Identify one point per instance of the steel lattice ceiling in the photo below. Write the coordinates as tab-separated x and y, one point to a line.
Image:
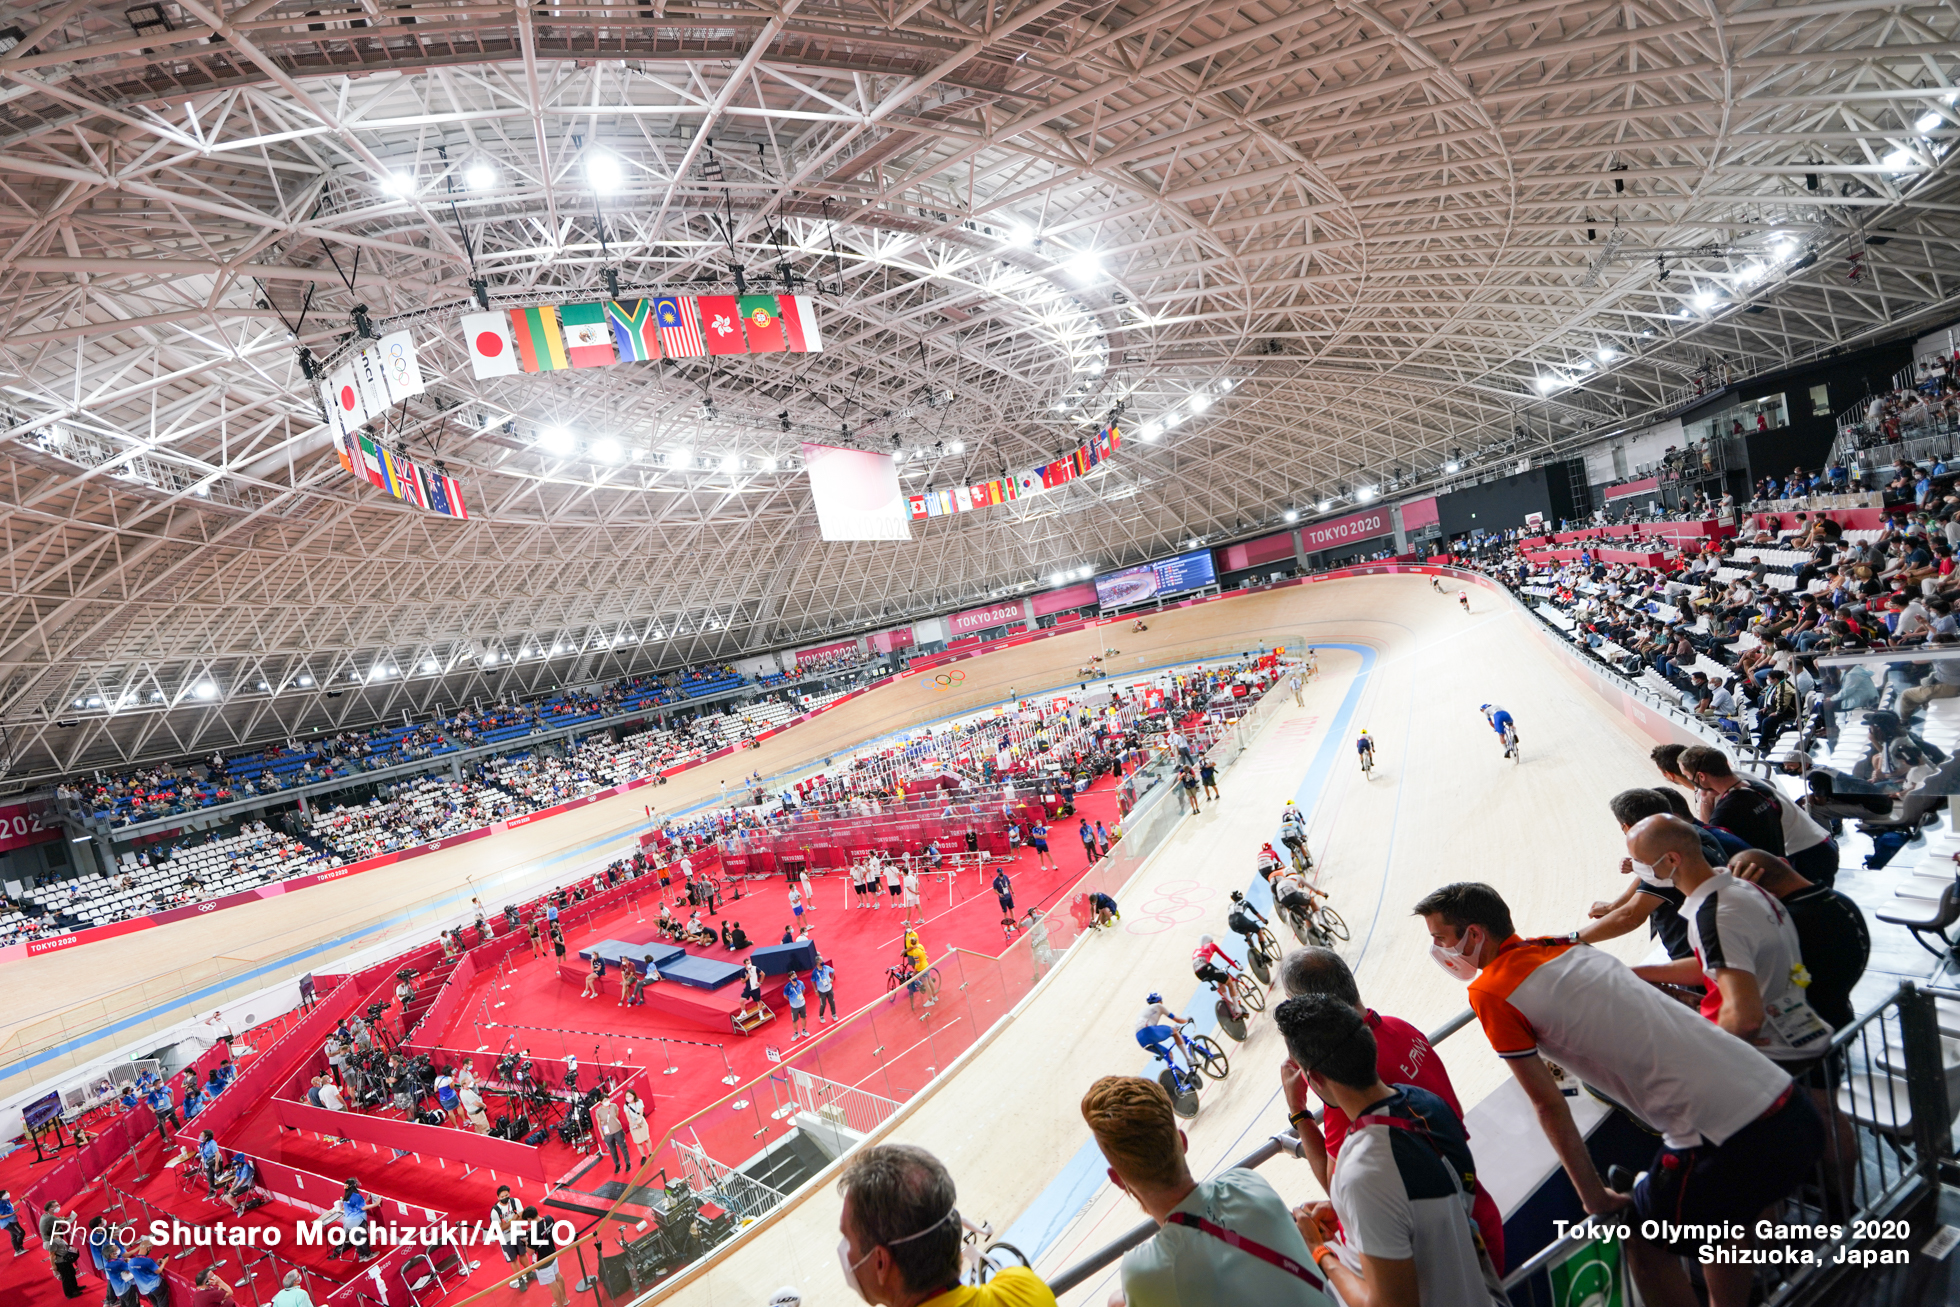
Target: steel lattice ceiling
1382	224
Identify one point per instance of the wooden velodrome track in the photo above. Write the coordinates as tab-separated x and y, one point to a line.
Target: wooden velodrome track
1443	806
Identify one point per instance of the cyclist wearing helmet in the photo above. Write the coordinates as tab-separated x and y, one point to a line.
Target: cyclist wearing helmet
1157	1024
1500	721
1293	833
1269	862
1205	959
1463	597
1364	747
1244	919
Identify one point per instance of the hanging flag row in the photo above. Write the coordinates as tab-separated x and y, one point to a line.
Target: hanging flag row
361	390
409	482
548	337
1047	476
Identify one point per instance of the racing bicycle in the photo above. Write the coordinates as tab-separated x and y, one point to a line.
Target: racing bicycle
981	1258
1183	1083
1261	951
1511	750
1368	763
1238	998
1318	925
916	982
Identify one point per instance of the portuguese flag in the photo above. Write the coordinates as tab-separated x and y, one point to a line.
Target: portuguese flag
539	340
763	320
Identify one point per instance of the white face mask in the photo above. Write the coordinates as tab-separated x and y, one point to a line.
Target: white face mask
851	1267
1457	961
1646	872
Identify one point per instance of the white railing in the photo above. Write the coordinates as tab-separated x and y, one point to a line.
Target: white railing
856	1110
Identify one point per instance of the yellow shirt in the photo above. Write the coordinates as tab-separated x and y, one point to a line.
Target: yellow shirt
1017	1286
918	956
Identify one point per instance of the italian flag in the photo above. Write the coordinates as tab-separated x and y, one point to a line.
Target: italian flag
539	339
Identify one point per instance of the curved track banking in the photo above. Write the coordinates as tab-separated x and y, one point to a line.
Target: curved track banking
1443	805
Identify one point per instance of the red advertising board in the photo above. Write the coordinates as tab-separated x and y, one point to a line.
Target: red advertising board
892	641
1345	530
1008	612
22	824
1418	513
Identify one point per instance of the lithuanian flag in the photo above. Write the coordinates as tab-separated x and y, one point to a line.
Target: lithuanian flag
540	341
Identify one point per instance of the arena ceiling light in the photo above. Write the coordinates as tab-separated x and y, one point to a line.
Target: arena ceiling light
1149	432
479	176
431	666
1020	236
398	183
304	681
957	447
1325	504
205	690
1086	266
1200	402
679	458
1607	354
555	440
769	464
608	451
1703	301
1057	578
731	463
1366	493
602	171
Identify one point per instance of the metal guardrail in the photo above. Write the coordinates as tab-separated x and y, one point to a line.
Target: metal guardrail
1285	1142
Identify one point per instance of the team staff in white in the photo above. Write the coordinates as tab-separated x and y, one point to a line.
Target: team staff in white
1737	1136
1405	1182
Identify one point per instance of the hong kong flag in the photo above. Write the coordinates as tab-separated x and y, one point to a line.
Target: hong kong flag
721	324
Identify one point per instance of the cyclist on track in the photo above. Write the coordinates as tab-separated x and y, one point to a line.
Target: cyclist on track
1153	1030
1245	920
1500	721
1294	894
1463	597
1365	748
1270	862
1436	584
1293	833
1204	963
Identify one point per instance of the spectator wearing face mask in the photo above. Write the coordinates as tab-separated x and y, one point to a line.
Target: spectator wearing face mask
1736	1136
1648	898
902	1235
1228	1239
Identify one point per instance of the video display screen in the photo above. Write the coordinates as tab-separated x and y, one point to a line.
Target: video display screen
1147	581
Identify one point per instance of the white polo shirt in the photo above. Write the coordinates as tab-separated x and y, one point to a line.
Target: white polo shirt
1586	1010
1739	926
1398	1201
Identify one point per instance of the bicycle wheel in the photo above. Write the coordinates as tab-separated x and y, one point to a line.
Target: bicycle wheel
1257	964
932	979
1330	921
1268	945
998	1257
1209	1056
1184	1100
1232	1023
1250	993
1302	927
891	981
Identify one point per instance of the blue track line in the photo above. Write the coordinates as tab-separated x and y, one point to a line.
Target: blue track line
1079	1180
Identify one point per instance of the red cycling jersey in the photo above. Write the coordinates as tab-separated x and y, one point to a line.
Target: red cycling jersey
1204	955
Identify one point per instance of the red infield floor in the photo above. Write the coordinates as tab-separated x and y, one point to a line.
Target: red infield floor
534	1006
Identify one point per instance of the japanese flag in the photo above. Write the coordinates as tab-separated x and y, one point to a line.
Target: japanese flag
487	337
